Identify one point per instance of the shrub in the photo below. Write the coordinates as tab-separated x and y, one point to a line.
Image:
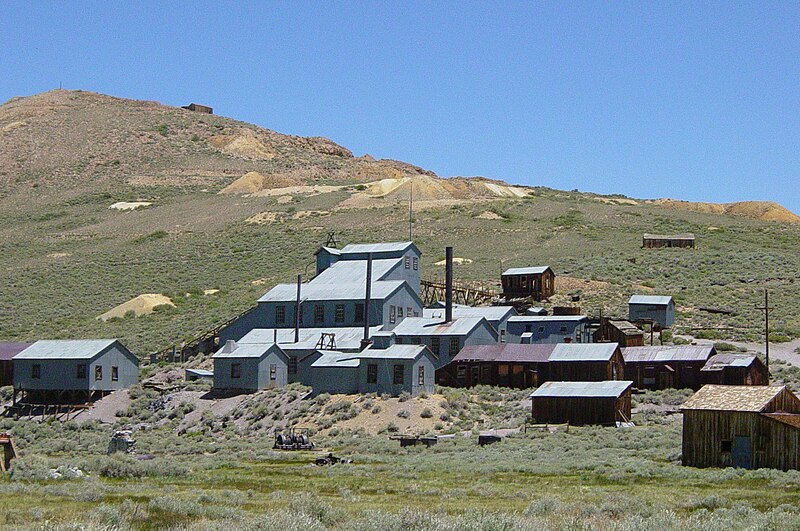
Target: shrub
426	413
403	414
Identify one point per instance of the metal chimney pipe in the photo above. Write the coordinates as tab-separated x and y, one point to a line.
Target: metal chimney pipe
297	311
448	281
367	296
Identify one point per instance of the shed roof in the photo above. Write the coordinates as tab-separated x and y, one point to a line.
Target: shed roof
696	353
9	350
508	352
682	236
625	327
345	337
65	349
792	419
334	358
605	389
422	326
546	318
394	352
249	350
491	313
733	397
533	270
653	300
583	351
718	362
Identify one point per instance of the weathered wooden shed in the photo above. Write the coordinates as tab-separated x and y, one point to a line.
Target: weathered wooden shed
250	367
667	366
70	369
592	362
7	353
505	365
537	282
196	107
656	309
729	368
656	241
743	427
622	333
580	403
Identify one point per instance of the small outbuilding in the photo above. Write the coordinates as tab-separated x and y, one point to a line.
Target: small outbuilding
65	370
729	368
250	367
622	333
580	403
585	362
667	366
657	241
196	107
656	309
743	427
538	283
7	353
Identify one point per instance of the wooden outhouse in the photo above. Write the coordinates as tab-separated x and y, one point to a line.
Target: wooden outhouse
742	426
580	403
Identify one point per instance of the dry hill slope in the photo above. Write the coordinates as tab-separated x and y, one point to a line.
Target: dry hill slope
763	210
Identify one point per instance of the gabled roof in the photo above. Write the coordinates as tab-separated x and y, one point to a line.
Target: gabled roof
534	270
249	350
625	327
606	389
345	337
508	352
656	300
491	313
583	351
698	353
334	358
74	349
792	419
9	350
421	326
546	318
394	352
729	359
753	398
329	250
385	247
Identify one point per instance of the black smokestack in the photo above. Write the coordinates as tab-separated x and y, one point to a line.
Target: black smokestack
297	312
367	296
448	282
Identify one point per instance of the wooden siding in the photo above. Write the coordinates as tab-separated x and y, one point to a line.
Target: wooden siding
658	243
539	286
665	375
580	411
755	374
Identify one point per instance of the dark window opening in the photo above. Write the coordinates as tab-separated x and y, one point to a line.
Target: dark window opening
36	371
236	370
98	372
339	315
273	372
80	372
421	376
372	373
726	446
399	375
454	346
114	374
359	312
280	314
319	314
293	365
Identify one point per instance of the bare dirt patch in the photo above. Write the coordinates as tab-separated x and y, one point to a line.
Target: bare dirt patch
488	214
141	305
456	260
253	182
564	283
387	413
263	218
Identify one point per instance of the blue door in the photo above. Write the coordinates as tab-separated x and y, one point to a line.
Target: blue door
742	452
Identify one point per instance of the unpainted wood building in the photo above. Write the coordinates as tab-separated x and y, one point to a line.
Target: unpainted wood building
742	426
658	241
538	282
622	333
729	368
7	353
582	403
667	366
196	107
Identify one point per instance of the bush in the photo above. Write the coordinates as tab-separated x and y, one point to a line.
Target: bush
403	414
426	413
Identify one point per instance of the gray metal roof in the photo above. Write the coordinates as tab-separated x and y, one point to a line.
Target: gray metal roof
668	353
536	310
248	350
657	300
394	352
385	247
534	270
606	389
727	359
345	337
583	351
65	349
9	350
491	313
200	372
422	326
546	318
334	358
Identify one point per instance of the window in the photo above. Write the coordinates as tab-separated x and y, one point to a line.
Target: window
502	336
407	262
399	373
416	313
398	340
114	374
726	446
399	312
372	373
421	375
416	263
454	346
392	314
319	314
502	370
435	345
339	315
293	365
359	312
541	330
36	371
416	340
524	281
236	370
273	372
563	329
461	372
80	371
98	372
529	327
408	311
280	314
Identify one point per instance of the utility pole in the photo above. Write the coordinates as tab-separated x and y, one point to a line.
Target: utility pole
411	212
766	308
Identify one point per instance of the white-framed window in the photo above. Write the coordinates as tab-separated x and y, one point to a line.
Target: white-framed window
339	314
399	312
319	314
280	314
407	262
392	314
416	263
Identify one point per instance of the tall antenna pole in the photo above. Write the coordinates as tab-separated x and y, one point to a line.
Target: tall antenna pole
411	211
766	308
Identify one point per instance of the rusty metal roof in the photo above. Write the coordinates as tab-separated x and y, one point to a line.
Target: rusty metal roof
728	359
506	353
733	397
9	350
668	353
605	389
583	351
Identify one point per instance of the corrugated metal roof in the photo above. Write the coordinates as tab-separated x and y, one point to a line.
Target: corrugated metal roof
583	351
733	397
606	389
9	350
65	349
505	353
491	313
421	326
394	352
334	358
385	247
546	318
668	353
683	236
247	350
533	270
200	372
345	337
658	300
536	310
727	359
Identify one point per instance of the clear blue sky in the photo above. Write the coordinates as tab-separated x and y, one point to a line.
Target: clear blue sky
695	100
